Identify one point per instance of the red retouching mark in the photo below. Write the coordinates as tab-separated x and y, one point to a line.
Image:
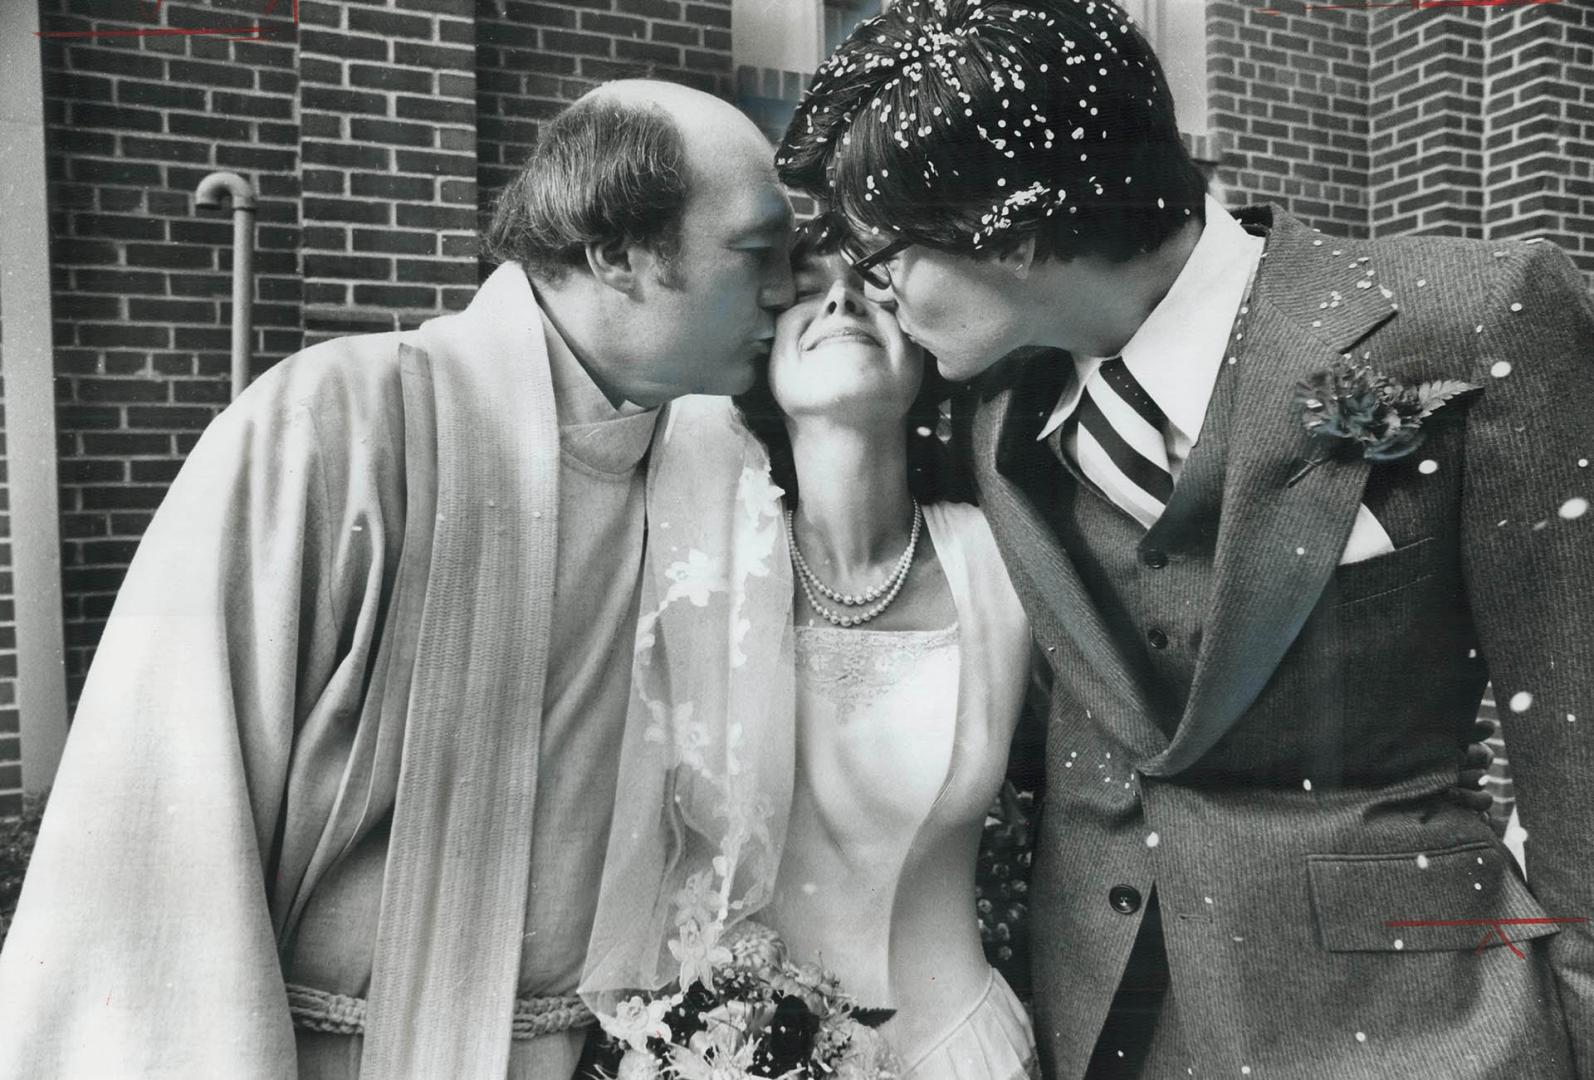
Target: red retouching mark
1416	5
1496	926
233	33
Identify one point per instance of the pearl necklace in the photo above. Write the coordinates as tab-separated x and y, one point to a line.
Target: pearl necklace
889	587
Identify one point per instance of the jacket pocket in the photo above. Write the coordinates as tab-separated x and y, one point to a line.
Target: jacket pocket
1382	574
1455	898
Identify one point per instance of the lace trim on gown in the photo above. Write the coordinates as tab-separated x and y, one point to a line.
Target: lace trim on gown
995	1040
851	668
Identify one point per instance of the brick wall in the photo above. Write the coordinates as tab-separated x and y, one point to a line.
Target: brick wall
1538	154
388	146
141	282
533	58
1288	104
1427	121
1462	121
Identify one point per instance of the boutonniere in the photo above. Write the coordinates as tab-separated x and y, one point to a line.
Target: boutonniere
1350	411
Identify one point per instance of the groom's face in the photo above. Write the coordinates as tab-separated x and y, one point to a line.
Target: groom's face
960	308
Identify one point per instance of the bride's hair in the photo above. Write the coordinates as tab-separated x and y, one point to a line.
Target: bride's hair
933	474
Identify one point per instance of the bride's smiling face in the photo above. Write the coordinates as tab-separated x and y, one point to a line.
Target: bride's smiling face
837	352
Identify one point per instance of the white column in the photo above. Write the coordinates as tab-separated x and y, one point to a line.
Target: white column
786	35
30	398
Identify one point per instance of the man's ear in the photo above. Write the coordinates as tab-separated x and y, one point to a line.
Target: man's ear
620	264
1019	259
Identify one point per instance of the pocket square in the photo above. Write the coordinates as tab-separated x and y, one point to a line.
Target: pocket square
1367	539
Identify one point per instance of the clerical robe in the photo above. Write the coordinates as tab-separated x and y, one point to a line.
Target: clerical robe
336	736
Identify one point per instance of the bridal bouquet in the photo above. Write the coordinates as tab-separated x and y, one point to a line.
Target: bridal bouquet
743	1009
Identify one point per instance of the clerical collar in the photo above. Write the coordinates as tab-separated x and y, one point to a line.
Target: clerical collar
577	398
592	430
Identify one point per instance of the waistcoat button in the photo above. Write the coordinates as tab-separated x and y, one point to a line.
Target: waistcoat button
1158	637
1124	899
1153	558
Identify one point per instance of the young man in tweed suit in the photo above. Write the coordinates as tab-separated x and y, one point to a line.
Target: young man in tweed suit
1270	604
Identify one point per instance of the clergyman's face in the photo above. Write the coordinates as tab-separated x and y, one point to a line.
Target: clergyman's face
713	319
838	352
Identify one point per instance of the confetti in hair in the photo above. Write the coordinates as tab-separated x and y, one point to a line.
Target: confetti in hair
976	106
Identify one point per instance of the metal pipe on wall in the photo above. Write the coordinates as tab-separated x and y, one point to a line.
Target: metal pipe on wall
212	193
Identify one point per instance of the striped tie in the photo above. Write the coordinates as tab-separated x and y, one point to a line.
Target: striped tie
1118	439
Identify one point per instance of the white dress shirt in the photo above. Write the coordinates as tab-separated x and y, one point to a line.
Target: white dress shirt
1178	351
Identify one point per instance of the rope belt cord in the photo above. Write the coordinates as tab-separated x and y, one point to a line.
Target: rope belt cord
341	1014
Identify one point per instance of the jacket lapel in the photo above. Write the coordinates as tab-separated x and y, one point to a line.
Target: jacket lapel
1009	459
1277	545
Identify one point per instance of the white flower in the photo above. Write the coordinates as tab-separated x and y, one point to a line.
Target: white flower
698	900
638	1065
722	1052
635	1021
697	949
756	947
759	495
690	737
868	1056
697	578
709	1059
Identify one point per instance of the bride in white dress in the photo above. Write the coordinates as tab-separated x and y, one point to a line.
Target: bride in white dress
825	691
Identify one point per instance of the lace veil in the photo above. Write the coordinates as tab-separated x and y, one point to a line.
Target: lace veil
707	761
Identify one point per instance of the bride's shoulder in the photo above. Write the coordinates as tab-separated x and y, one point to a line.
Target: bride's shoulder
966	525
965	521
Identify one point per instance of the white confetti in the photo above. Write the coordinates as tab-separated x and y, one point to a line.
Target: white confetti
1399	944
1516	307
1422	862
1572	509
1361	1036
1152	839
1501	369
1521	701
1428	467
1307	784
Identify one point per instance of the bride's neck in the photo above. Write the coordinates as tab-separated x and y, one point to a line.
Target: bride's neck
854	511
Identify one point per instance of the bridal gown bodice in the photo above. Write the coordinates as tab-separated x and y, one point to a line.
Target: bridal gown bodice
897	765
876	718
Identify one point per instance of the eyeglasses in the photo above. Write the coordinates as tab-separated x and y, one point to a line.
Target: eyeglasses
870	266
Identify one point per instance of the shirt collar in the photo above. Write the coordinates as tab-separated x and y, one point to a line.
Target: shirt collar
1178	351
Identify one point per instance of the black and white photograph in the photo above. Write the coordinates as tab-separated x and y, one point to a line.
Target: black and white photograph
796	539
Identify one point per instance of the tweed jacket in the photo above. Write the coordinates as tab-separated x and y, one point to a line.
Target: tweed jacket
1291	806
